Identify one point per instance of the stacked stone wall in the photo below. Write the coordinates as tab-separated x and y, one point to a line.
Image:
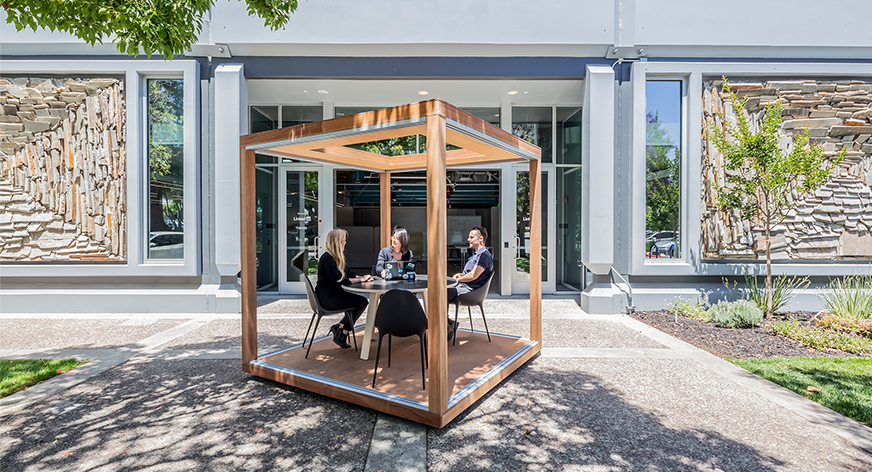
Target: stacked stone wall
833	222
62	169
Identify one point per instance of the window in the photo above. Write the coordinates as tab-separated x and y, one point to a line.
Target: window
663	169
166	168
534	124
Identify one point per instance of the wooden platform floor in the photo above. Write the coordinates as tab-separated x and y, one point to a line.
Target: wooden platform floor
472	357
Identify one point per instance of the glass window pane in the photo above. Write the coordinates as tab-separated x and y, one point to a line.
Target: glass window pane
489	114
264	118
534	125
662	163
292	116
166	164
569	135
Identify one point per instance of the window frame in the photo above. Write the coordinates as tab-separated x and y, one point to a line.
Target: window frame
135	74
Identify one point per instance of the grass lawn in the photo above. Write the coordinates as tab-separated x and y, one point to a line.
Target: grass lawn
845	384
17	375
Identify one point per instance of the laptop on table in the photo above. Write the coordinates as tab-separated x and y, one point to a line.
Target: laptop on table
399	270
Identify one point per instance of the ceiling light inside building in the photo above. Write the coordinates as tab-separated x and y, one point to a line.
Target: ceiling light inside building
323	92
423	92
513	92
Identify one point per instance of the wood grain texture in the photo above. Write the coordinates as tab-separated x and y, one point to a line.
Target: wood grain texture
248	212
437	264
535	252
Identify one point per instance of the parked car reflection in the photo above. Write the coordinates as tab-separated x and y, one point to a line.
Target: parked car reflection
166	245
663	248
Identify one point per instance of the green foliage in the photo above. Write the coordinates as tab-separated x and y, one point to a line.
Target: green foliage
690	308
823	338
394	146
845	385
851	297
165	118
17	375
737	314
858	326
523	264
662	186
782	290
166	27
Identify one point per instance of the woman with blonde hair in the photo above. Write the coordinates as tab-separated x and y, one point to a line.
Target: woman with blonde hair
397	251
332	275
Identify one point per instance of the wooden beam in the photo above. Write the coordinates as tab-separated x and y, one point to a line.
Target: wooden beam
535	251
385	205
249	257
437	266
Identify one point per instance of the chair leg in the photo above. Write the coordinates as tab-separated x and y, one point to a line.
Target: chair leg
469	309
317	322
426	350
423	376
389	349
377	354
314	314
480	307
354	337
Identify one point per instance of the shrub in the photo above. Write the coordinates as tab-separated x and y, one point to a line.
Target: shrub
851	297
862	327
689	308
782	290
823	339
737	314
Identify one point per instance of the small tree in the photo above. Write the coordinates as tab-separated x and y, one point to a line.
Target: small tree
759	175
168	27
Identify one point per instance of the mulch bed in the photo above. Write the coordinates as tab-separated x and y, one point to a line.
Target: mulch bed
756	343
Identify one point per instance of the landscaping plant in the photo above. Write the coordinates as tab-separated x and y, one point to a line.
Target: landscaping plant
690	308
850	297
782	291
823	338
759	175
737	314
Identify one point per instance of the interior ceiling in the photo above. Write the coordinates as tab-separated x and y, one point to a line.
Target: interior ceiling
386	93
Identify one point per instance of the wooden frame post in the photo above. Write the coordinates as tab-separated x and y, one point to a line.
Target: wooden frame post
248	223
385	212
535	251
437	270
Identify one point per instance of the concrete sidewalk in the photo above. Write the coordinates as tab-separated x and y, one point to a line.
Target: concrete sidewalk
166	392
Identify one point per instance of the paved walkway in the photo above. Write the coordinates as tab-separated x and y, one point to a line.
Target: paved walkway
607	393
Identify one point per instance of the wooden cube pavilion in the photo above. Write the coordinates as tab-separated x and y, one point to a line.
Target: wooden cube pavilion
442	123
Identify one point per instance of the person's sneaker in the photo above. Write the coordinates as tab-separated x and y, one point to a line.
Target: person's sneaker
339	337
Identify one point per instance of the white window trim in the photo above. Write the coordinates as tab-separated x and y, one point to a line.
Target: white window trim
691	262
135	73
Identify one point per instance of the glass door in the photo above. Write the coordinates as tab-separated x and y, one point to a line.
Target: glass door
299	218
521	243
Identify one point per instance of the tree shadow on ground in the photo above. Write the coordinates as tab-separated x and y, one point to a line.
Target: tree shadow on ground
186	415
542	418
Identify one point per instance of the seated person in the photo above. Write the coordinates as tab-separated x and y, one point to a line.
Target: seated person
332	275
478	268
397	251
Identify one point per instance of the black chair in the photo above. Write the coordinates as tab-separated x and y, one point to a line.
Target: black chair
319	312
469	300
400	314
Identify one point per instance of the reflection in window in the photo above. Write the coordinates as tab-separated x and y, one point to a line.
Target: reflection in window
662	163
534	124
166	164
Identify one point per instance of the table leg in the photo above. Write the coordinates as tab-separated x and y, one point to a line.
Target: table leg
370	326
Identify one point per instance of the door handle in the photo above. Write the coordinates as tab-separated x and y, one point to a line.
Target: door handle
517	247
317	241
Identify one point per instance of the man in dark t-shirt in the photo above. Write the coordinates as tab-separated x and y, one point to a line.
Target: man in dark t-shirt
477	270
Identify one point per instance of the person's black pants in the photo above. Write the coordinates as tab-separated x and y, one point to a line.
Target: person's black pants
347	300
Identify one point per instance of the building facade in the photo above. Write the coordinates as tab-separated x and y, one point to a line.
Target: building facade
119	176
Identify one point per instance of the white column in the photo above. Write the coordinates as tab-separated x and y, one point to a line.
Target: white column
231	122
597	190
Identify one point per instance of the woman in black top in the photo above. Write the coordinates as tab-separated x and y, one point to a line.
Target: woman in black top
397	251
332	275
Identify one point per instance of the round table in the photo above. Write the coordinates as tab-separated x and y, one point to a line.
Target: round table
375	288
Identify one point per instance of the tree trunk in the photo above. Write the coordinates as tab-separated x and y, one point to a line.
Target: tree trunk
768	218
